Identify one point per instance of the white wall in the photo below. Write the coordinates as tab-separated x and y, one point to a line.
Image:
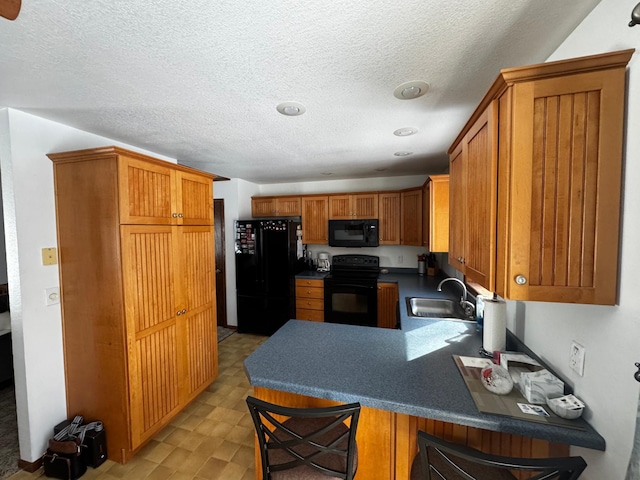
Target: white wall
611	335
237	205
30	225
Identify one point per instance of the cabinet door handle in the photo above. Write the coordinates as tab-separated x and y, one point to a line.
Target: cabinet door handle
181	215
184	311
174	215
179	312
521	279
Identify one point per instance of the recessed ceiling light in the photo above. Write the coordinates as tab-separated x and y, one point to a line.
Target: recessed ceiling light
291	109
403	154
411	90
405	132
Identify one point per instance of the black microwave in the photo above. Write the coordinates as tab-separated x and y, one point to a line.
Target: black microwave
353	233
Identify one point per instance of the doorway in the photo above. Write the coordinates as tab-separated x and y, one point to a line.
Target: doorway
221	282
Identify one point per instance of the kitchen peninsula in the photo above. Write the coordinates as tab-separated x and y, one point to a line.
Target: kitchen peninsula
406	380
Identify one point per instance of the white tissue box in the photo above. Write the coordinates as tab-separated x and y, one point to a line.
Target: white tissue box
536	386
532	380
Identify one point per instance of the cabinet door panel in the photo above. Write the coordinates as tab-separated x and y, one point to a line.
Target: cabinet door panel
197	322
411	217
340	207
365	205
562	240
202	351
195	194
198	267
387	302
149	254
389	209
457	214
149	270
481	170
315	218
435	214
155	388
147	192
263	207
288	207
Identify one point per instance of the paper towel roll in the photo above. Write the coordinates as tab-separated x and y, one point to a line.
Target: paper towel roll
494	330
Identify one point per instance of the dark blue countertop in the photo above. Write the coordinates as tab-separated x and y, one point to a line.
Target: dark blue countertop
408	371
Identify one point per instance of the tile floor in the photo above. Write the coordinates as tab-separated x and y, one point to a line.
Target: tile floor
211	439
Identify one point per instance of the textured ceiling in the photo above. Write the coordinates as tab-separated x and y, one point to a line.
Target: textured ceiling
200	80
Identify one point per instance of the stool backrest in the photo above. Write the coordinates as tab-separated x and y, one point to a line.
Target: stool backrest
441	459
308	439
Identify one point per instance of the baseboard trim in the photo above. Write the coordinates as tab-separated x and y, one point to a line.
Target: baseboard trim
30	466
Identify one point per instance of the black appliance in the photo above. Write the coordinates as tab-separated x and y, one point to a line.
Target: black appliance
351	290
266	263
353	233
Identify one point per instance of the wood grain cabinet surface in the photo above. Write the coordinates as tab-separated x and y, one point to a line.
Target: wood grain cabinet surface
310	299
138	300
315	219
389	218
387	305
286	206
435	213
353	206
545	226
156	193
411	217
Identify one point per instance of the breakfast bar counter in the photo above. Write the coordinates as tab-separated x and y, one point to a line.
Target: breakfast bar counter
404	372
406	380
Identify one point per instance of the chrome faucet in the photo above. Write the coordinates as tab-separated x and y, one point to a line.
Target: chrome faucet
463	299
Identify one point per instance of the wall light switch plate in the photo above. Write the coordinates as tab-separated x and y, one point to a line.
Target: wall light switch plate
576	358
49	256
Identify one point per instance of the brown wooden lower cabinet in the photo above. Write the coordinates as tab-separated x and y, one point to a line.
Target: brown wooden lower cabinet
387	441
310	299
387	301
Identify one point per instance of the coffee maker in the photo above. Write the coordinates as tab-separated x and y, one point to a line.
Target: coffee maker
323	262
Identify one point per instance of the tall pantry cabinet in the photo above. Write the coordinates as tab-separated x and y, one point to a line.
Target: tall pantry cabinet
137	273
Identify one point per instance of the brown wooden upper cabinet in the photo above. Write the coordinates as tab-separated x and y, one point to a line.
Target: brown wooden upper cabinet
276	206
411	217
535	182
389	218
353	206
435	213
473	171
157	193
315	219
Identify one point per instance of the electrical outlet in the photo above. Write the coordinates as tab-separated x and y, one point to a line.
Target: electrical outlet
51	296
576	358
400	258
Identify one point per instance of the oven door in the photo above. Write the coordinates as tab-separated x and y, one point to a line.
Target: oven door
351	301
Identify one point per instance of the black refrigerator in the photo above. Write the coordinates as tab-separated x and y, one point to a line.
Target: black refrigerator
266	265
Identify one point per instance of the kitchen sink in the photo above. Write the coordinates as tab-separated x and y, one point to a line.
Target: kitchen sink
436	308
